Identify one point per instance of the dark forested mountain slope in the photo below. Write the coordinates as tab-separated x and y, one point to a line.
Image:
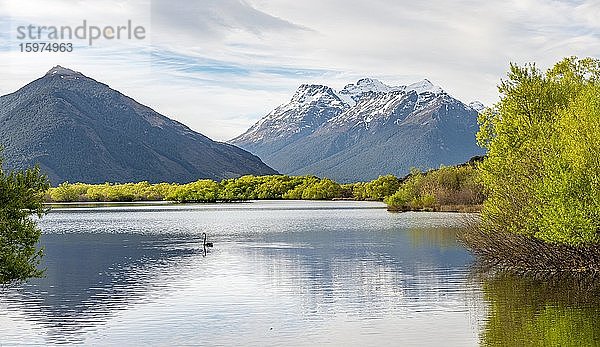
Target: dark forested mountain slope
80	130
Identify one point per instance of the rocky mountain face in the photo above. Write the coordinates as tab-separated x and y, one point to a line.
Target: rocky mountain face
365	130
80	130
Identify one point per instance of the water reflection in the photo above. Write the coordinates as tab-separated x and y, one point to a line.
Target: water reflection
90	277
380	273
278	275
555	311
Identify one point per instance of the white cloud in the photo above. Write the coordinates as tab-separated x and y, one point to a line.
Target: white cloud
219	65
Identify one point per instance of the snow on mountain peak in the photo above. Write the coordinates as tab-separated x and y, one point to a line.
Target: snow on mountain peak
366	85
477	106
424	86
371	84
352	92
64	73
308	93
311	105
368	103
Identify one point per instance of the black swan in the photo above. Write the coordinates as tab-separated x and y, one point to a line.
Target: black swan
207	244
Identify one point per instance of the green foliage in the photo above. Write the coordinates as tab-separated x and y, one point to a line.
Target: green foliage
142	191
313	188
324	189
199	191
238	189
347	190
446	186
21	196
377	189
542	171
401	199
242	188
68	192
359	191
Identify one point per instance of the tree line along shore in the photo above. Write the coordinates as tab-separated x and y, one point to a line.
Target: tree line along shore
453	188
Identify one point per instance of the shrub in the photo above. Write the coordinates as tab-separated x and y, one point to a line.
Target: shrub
543	138
21	195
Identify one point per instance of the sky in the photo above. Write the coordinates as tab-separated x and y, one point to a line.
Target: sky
218	66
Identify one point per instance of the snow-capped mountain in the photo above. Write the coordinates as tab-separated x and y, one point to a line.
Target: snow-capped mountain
365	130
310	107
353	92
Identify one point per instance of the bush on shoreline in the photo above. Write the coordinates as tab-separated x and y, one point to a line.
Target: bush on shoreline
21	198
452	188
541	173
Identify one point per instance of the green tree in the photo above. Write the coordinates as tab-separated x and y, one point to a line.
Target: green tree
324	189
199	191
242	188
381	187
347	190
273	187
67	192
407	197
359	191
541	173
297	192
314	188
21	196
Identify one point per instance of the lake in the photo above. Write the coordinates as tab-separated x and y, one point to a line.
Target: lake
285	273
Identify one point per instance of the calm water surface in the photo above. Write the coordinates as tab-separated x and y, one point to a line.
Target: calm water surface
281	273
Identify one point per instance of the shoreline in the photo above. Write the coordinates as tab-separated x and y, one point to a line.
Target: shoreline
177	203
475	209
441	208
526	255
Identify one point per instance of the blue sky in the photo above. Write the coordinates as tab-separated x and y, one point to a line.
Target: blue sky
220	65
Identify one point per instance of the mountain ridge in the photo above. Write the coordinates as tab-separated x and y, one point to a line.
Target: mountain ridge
79	129
371	115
